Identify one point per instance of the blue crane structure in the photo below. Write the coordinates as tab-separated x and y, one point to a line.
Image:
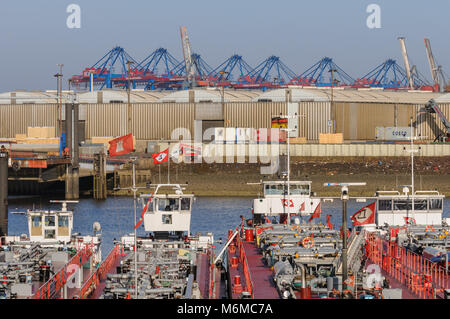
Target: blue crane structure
202	69
161	70
270	72
319	74
234	67
110	70
159	62
389	75
155	68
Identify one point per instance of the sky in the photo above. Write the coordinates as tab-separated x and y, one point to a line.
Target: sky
34	36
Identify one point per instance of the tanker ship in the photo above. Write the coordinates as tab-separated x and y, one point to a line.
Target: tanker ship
393	251
169	262
50	262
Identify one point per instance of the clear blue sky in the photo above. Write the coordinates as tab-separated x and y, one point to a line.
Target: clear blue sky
34	36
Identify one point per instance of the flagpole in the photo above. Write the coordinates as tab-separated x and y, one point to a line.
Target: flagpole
135	231
168	166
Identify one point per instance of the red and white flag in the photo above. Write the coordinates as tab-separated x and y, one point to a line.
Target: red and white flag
158	158
364	216
316	213
143	212
410	220
121	145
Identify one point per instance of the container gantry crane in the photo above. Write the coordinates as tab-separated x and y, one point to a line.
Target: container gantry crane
433	107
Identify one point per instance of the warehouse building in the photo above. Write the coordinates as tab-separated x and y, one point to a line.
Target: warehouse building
153	115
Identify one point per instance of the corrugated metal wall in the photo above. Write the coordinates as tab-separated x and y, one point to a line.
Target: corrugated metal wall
106	120
313	120
358	120
158	120
14	119
152	121
252	114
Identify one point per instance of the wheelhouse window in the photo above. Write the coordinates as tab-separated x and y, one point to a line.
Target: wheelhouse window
49	221
36	221
420	204
435	204
150	207
63	221
275	189
185	204
167	219
168	204
299	189
385	204
49	234
402	204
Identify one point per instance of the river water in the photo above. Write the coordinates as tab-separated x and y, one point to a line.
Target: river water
115	215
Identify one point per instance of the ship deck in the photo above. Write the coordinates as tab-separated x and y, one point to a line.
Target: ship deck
263	285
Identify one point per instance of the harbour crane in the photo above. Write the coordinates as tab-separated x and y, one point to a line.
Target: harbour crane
406	61
432	107
436	71
190	76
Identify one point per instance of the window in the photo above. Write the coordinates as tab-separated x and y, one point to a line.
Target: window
385	204
150	207
402	204
185	204
420	204
168	205
63	221
299	189
167	219
50	221
275	189
435	204
49	234
36	221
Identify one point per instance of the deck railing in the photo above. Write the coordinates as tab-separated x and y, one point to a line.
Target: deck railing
212	277
100	272
57	281
422	277
245	268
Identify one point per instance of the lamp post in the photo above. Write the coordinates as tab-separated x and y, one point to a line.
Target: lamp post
287	130
344	197
332	102
223	73
129	63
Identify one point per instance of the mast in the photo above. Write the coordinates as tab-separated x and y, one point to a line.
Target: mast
406	61
190	76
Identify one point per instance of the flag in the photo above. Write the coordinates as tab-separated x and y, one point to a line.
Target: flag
410	220
364	216
121	145
316	213
158	158
302	207
143	212
350	281
329	224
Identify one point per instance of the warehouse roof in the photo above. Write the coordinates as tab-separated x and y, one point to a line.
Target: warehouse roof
298	94
120	96
28	97
348	95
